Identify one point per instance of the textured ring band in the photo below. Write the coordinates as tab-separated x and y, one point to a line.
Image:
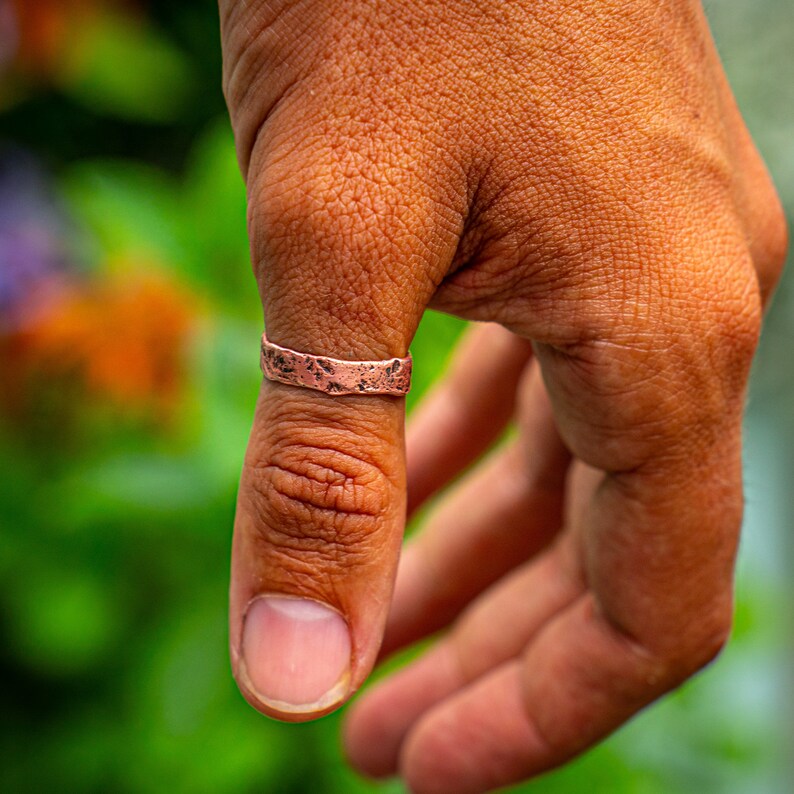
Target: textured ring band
334	375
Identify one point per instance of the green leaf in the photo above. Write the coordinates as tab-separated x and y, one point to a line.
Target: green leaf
63	619
214	221
131	209
119	66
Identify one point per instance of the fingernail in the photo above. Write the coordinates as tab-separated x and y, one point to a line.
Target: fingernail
295	653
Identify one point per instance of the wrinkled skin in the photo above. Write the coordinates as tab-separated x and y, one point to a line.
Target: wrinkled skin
577	176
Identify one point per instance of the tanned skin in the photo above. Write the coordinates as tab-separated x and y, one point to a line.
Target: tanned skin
576	177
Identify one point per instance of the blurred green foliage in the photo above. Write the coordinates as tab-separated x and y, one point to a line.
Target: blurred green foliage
115	526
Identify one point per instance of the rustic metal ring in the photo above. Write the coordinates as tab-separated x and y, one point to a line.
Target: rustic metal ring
334	375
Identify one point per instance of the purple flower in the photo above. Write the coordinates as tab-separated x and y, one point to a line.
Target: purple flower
34	256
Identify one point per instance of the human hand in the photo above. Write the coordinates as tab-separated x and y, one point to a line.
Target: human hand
578	174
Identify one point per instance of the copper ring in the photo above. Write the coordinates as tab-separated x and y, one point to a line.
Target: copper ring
334	375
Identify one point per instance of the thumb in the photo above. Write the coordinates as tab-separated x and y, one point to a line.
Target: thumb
347	257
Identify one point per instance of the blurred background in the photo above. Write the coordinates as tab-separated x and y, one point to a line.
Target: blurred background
122	239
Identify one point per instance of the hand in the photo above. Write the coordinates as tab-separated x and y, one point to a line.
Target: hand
577	175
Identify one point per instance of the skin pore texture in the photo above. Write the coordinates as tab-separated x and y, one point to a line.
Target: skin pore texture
576	177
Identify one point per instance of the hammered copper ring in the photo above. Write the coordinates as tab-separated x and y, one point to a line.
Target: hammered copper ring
334	375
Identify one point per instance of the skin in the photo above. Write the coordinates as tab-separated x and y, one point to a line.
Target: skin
577	178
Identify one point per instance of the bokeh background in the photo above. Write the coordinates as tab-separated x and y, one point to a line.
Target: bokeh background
128	373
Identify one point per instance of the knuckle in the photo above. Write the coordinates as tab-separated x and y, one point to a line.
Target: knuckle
665	659
323	480
712	643
625	404
313	499
701	647
767	230
655	388
774	238
733	328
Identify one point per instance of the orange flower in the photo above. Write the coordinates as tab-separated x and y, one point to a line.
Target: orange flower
42	29
123	341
